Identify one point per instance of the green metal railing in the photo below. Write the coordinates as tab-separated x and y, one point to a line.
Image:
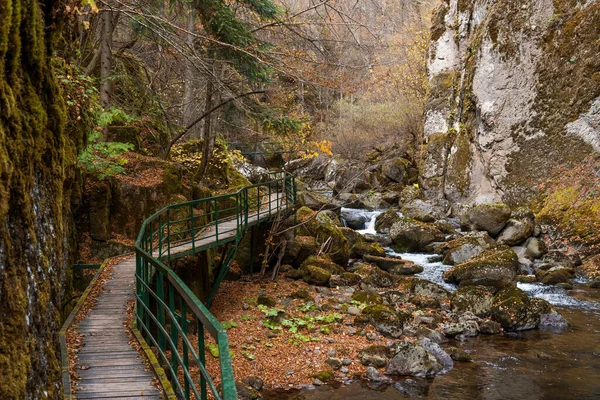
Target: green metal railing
166	309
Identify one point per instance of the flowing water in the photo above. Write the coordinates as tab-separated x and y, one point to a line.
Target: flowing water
536	364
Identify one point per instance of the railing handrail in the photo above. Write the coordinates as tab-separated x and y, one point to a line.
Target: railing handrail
148	264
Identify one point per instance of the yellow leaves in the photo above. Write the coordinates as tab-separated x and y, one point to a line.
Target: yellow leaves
92	5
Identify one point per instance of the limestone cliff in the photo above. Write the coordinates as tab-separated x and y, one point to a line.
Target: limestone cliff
515	94
37	169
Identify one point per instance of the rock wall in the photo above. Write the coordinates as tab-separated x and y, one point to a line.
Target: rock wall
515	94
37	172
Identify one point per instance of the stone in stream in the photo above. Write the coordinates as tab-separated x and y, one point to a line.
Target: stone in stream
477	300
486	217
420	210
376	356
423	359
496	268
361	249
410	235
462	249
535	247
515	232
376	376
385	220
458	354
430	289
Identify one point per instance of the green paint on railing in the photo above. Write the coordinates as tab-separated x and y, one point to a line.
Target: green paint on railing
166	307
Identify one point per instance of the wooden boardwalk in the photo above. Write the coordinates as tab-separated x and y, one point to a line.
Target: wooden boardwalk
110	368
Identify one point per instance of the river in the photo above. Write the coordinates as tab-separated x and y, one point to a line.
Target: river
536	364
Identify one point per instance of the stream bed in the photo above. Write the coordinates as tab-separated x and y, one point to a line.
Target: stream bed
535	364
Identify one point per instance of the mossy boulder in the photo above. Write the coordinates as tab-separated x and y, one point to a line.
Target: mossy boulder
486	217
408	268
322	227
420	210
515	311
376	356
556	275
312	200
458	354
476	300
423	302
299	249
415	359
409	193
385	220
314	275
345	279
516	232
379	278
294	274
536	247
462	249
386	320
324	262
397	170
429	289
365	297
324	376
385	263
361	249
410	235
496	268
352	236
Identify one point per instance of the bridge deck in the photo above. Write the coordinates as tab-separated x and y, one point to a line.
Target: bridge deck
110	368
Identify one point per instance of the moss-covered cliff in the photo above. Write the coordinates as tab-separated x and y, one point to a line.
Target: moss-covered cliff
515	93
37	170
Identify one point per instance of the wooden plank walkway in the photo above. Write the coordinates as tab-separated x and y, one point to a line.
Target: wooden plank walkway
110	368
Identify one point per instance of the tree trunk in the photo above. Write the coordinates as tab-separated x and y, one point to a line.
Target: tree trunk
106	63
189	84
208	140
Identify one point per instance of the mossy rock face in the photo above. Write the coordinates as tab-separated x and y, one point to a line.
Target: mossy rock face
486	217
323	262
322	227
365	297
361	249
515	311
99	211
476	300
294	274
397	170
410	235
384	221
312	200
409	193
299	249
496	268
314	275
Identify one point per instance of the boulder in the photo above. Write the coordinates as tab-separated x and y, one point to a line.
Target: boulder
361	249
352	179
386	320
410	235
385	220
355	219
312	200
462	249
396	170
299	249
458	354
515	232
376	356
420	210
372	201
324	262
351	236
379	278
515	311
409	193
486	217
429	289
253	173
423	359
315	275
490	327
476	300
556	275
385	263
496	268
322	227
535	247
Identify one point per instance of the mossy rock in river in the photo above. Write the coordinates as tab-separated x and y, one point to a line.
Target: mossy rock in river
361	249
410	235
384	221
476	300
352	236
462	249
496	268
515	311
